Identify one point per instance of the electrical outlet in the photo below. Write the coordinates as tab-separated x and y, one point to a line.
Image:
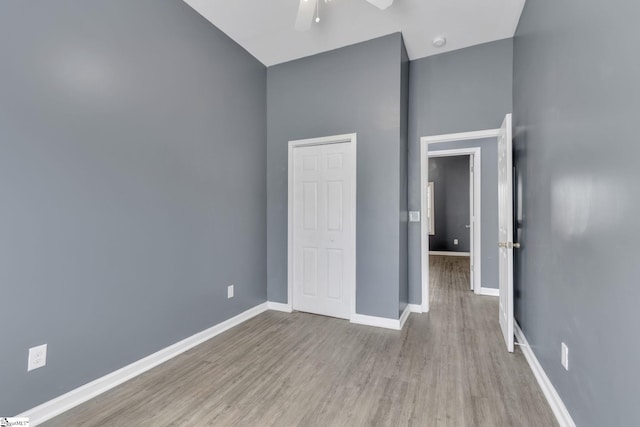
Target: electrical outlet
564	356
455	241
229	291
37	357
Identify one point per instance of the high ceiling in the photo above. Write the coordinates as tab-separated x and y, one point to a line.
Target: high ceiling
265	28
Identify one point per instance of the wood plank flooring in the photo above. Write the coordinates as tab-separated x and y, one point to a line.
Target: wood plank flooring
445	368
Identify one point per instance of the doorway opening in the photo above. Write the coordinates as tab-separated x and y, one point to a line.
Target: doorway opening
451	210
483	251
453	213
497	223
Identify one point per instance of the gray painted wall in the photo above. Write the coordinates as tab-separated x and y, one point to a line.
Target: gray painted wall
353	89
577	103
464	90
132	147
450	177
489	208
404	190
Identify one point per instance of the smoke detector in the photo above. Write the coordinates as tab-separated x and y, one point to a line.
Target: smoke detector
439	41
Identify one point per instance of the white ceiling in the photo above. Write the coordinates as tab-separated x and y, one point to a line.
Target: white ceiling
265	27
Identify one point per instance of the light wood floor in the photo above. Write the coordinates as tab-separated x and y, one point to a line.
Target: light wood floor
446	368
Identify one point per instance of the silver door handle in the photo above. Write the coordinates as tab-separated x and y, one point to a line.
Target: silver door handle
509	245
467	226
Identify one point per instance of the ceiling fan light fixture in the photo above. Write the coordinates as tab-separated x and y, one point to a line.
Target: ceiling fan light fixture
309	11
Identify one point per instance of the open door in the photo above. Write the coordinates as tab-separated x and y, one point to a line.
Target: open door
471	225
505	230
426	224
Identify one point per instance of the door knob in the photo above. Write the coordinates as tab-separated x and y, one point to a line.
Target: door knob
467	226
509	245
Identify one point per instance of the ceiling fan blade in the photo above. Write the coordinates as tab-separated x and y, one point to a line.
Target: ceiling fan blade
381	4
306	10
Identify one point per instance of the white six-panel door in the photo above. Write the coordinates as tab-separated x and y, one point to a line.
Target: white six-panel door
323	253
505	230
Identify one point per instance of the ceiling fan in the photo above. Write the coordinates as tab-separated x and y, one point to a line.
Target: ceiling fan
309	8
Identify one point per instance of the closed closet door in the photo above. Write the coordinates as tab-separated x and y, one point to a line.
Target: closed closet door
323	246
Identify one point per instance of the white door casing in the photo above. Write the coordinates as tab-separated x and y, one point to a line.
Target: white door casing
471	226
322	225
505	230
425	143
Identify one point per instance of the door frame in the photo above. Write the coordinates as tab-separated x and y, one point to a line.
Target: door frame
350	138
425	142
475	205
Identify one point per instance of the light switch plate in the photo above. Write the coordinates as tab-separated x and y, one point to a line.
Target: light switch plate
564	357
414	216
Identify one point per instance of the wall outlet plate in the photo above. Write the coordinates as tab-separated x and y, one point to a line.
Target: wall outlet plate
455	241
229	291
37	357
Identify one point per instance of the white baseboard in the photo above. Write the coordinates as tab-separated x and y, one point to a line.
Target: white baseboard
382	322
75	397
549	391
449	253
491	292
379	322
415	308
278	306
404	316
